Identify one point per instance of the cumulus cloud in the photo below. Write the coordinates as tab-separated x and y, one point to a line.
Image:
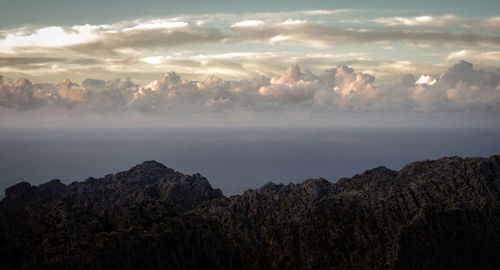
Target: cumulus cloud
339	89
111	95
426	79
293	88
460	88
20	95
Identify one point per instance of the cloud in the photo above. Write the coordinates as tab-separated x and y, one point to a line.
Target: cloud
460	88
264	16
492	23
293	88
106	39
489	23
70	94
52	36
141	38
248	23
111	95
235	65
29	62
143	34
339	89
426	79
424	20
20	95
255	44
326	36
485	58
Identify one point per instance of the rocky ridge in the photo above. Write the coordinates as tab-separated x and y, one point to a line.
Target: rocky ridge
442	214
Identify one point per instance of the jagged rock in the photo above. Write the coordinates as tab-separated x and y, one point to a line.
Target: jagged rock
442	214
147	181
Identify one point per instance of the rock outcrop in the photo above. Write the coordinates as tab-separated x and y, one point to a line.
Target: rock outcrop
442	214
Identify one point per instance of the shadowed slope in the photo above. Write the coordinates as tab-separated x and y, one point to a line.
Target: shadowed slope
431	214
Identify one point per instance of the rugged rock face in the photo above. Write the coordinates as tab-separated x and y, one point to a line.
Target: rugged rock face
442	214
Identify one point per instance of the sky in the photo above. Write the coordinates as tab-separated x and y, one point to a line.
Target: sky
150	63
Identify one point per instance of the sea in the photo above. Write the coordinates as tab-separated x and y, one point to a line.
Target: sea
233	159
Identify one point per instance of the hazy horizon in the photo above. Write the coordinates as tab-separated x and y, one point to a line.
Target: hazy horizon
233	159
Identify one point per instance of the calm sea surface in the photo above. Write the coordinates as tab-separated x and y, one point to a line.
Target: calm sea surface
232	159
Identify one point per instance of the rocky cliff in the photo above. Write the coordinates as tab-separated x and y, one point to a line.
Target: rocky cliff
442	214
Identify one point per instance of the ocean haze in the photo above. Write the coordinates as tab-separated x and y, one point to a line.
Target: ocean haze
233	159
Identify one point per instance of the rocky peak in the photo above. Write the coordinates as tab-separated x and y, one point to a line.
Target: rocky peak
151	167
19	190
146	172
149	180
52	187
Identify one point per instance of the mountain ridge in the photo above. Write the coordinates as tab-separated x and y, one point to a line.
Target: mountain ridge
443	213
